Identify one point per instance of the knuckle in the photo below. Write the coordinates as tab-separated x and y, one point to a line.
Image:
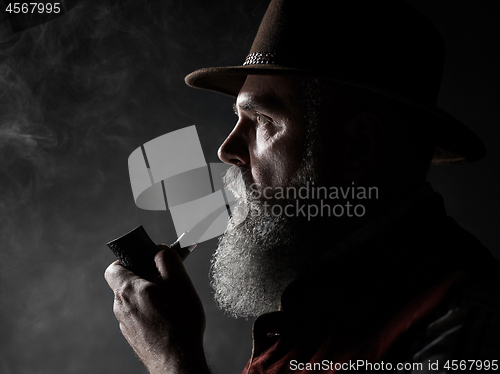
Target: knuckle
123	309
111	269
123	293
118	310
149	289
130	295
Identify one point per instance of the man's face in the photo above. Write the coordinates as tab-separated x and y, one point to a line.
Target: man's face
261	253
268	138
288	137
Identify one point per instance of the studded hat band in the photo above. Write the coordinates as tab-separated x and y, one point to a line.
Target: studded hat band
259	58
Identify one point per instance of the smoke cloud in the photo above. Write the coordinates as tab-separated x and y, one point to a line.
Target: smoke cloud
77	95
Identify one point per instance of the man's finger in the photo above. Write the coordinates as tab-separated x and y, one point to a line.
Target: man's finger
168	263
116	274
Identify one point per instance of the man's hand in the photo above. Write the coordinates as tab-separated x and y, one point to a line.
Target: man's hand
163	320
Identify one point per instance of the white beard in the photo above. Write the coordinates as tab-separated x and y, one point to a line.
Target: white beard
259	254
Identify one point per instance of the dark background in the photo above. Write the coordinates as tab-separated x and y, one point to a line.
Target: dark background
80	93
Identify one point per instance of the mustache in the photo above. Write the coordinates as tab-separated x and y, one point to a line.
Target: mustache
239	181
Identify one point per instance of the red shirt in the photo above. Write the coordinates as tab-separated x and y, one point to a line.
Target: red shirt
273	354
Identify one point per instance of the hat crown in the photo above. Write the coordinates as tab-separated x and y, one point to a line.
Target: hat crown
384	44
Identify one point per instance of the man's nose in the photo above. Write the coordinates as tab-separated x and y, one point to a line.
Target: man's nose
235	149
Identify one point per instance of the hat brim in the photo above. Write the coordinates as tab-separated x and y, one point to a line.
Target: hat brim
454	142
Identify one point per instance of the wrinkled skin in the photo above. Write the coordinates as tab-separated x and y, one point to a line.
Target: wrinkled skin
163	319
268	138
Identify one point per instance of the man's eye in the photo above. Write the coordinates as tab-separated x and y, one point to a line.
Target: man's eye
261	120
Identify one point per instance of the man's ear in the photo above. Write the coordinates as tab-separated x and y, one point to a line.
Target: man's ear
363	137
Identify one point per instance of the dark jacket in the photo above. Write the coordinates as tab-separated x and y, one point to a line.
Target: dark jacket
412	287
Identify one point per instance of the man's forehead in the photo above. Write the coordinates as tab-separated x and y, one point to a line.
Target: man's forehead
259	102
267	92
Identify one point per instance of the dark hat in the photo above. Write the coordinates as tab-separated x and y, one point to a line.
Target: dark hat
386	47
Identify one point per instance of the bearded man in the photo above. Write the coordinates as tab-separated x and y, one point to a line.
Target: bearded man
343	100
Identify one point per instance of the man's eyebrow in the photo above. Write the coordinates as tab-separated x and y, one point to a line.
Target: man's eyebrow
260	103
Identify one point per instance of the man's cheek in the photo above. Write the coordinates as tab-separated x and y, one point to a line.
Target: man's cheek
264	144
263	173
